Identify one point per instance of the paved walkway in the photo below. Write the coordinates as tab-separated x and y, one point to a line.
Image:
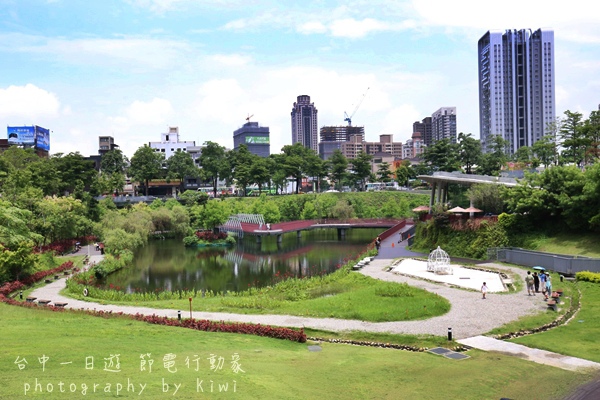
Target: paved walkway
470	316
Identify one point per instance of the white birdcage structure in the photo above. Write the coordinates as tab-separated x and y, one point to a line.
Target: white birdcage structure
439	262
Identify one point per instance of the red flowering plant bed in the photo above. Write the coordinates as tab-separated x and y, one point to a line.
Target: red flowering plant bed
11	287
212	326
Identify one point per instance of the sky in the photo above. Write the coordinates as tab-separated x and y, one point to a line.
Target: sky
133	68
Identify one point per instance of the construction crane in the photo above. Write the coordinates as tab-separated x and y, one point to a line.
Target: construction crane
248	117
347	117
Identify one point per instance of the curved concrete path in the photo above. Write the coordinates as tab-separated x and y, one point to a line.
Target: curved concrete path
470	316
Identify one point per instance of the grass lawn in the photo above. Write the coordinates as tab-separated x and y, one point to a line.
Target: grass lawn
350	296
273	368
587	244
579	338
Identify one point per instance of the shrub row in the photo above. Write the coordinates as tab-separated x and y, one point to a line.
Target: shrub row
211	326
588	276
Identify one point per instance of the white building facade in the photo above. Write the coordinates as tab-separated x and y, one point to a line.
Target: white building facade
170	144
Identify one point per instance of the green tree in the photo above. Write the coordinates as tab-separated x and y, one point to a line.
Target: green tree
591	131
317	168
241	161
524	154
180	165
339	168
17	261
146	164
442	156
74	170
361	168
469	151
545	150
113	161
213	214
573	138
492	162
215	164
295	162
489	198
383	173
259	171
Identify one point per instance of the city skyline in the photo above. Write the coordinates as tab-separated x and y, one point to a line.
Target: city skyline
131	69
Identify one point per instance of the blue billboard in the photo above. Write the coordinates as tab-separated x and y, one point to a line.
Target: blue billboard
29	136
21	135
42	138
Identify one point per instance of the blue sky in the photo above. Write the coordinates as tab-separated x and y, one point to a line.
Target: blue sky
132	68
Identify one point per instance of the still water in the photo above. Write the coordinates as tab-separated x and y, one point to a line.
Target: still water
168	265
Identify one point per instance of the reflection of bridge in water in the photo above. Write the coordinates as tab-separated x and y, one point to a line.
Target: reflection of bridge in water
249	224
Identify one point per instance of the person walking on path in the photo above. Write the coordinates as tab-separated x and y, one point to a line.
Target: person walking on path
536	282
543	278
548	287
484	290
529	283
378	243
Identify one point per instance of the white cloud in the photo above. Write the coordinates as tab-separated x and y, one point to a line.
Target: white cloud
28	101
352	28
135	52
567	18
311	27
230	60
149	113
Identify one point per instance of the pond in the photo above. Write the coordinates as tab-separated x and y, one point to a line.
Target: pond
166	265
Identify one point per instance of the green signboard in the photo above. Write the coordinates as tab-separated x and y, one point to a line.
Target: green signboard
257	140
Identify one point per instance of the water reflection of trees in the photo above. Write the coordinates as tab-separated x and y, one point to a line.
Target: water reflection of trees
168	265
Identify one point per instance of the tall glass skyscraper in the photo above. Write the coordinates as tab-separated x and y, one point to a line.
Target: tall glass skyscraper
516	86
304	123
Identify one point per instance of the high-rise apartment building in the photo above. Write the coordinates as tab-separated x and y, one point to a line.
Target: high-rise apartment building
516	85
304	123
443	124
425	129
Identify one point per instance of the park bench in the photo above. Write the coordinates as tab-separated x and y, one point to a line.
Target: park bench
67	272
44	302
552	304
507	282
30	299
60	304
56	277
48	281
